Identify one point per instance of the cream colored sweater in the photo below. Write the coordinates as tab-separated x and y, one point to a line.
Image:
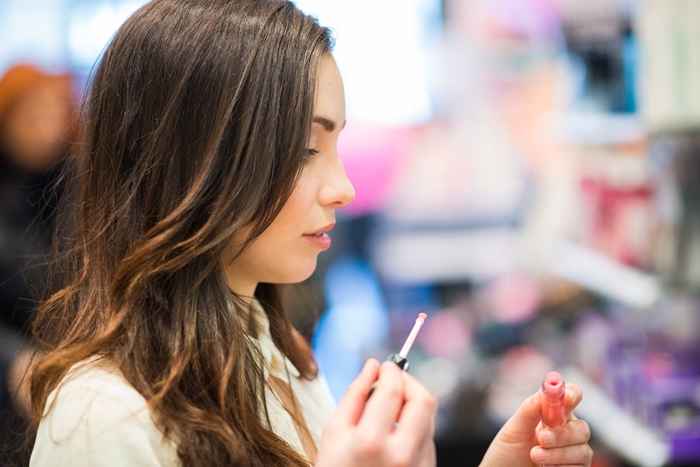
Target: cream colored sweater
96	419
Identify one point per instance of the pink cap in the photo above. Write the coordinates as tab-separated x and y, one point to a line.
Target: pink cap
553	386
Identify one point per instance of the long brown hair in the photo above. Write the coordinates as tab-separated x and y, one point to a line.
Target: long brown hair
195	129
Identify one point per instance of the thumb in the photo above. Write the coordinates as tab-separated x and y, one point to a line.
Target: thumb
512	444
521	426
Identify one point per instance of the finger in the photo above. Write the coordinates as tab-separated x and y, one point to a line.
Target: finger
382	409
581	454
416	423
525	420
573	397
574	432
352	404
428	455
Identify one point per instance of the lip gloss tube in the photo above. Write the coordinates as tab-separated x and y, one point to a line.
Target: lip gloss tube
401	358
552	406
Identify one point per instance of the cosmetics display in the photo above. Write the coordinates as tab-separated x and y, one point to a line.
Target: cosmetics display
547	219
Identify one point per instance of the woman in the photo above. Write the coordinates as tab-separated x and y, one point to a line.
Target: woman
209	173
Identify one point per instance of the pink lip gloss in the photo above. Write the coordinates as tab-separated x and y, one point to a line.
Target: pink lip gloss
552	406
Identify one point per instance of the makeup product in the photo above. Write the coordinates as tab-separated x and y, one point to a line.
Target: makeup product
552	406
401	358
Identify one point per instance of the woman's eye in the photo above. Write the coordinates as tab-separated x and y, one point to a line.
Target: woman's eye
311	152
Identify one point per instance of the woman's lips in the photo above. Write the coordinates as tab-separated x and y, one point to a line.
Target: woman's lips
325	229
321	240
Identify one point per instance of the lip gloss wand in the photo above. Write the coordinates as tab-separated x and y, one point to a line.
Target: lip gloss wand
401	358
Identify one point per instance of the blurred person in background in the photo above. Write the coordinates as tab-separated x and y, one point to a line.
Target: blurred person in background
36	126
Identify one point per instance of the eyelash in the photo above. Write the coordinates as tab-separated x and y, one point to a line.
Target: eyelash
311	153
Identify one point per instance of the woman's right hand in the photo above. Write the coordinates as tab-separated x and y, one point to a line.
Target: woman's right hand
394	428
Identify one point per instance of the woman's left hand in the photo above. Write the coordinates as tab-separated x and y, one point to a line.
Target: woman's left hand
524	440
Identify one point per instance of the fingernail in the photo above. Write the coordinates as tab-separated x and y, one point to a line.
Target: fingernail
547	438
388	364
370	364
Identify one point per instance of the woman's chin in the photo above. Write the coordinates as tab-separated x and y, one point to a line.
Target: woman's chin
299	274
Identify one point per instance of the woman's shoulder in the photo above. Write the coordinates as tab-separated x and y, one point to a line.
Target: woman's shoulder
95	378
95	417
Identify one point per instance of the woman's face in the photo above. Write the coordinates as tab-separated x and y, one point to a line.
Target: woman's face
287	251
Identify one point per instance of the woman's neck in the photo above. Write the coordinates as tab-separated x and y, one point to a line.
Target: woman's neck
245	289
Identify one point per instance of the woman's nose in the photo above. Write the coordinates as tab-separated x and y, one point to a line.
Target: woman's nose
339	190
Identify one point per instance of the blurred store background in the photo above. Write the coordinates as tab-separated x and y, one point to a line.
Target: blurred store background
528	173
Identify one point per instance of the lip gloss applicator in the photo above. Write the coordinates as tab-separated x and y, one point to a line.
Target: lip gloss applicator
401	358
552	406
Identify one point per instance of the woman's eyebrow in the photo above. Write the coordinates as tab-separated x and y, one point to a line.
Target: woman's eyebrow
327	124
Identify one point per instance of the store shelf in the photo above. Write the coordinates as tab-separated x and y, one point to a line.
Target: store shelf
606	276
618	429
